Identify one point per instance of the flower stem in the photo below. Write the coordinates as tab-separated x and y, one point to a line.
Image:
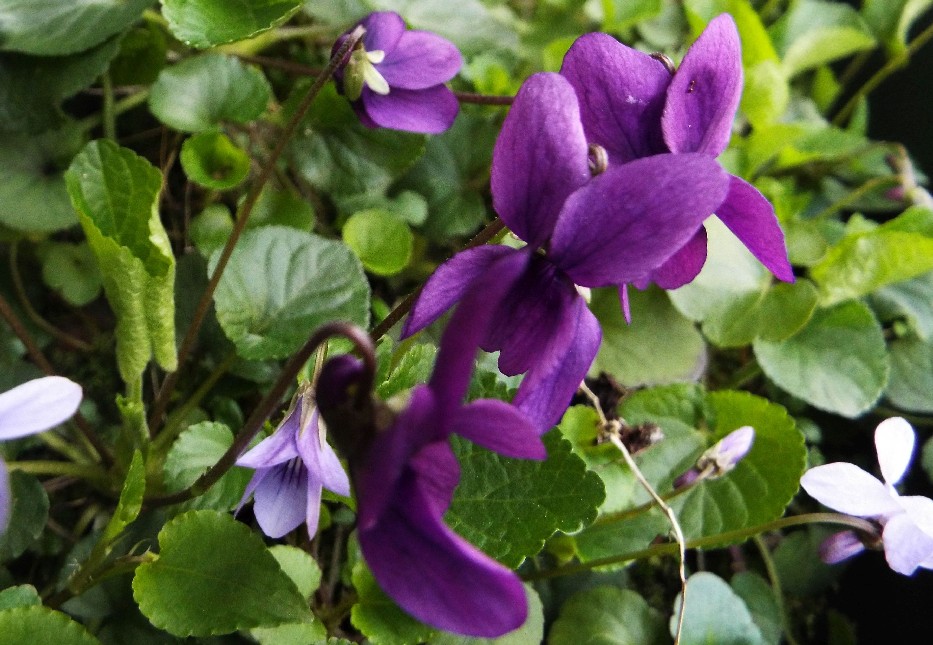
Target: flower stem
89	472
855	195
243	214
119	107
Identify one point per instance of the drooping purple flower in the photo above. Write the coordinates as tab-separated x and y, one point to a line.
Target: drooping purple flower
292	466
395	78
406	473
610	229
720	458
907	521
30	408
633	107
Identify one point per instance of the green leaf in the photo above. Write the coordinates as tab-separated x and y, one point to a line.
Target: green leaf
295	634
531	632
558	494
816	32
24	624
338	155
911	299
766	94
911	384
210	228
27	517
300	567
413	367
837	362
658	346
201	92
607	616
53	28
141	57
281	208
382	241
760	600
619	15
32	87
714	614
116	194
71	270
891	20
212	160
197	449
205	23
131	500
215	576
281	284
379	618
798	563
33	197
756	44
19	596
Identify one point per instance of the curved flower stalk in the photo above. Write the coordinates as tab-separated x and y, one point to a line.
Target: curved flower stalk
28	409
395	78
633	107
292	466
609	229
907	521
405	472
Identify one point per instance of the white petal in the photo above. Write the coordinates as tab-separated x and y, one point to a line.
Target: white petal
894	441
849	489
920	511
375	81
37	405
906	547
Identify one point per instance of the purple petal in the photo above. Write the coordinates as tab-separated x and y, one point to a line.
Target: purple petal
539	158
848	489
906	547
705	92
627	221
437	576
621	93
428	111
562	363
894	441
840	546
477	312
732	448
498	426
683	266
278	447
438	473
383	31
320	459
448	284
280	500
6	498
420	60
751	217
37	405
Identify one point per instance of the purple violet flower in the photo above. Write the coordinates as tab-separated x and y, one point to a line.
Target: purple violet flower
292	466
27	409
395	78
405	477
907	521
633	107
720	458
610	229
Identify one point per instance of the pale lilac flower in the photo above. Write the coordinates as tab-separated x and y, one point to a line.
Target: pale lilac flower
395	78
720	458
633	107
907	521
605	230
405	475
292	466
30	408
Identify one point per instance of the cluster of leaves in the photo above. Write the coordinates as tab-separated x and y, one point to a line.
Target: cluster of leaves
138	140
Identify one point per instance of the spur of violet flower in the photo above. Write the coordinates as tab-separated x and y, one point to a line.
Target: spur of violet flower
632	106
609	229
292	466
405	472
395	78
907	521
30	408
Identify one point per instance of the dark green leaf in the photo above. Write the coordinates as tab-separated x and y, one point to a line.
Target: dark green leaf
214	576
607	616
205	23
715	614
27	517
911	299
760	600
282	208
911	384
212	160
19	596
130	502
413	367
71	269
24	624
141	57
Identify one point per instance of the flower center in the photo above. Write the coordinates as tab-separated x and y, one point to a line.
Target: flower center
361	71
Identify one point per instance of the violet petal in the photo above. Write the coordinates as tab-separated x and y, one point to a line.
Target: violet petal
751	217
37	405
438	473
683	266
280	500
320	459
704	93
848	489
539	158
312	502
498	426
629	220
428	111
383	30
420	60
894	441
621	93
277	448
905	545
448	283
840	546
